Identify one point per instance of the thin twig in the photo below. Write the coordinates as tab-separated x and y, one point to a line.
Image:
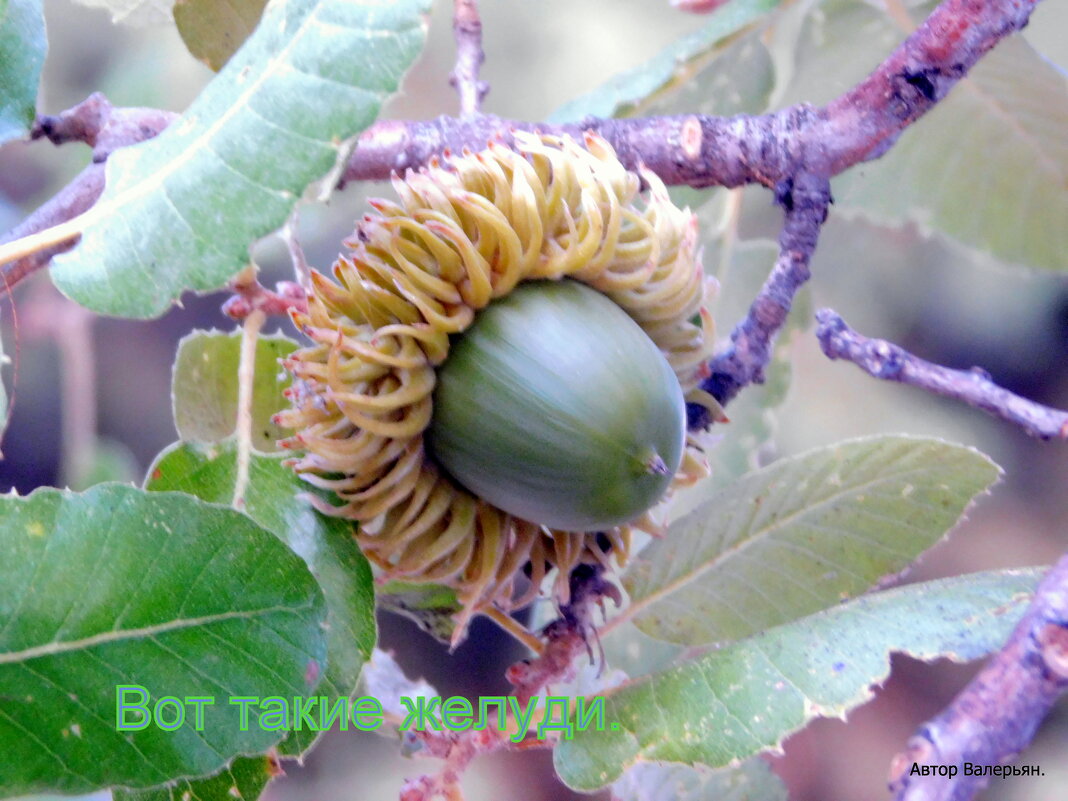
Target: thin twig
890	362
994	718
102	126
692	150
805	201
81	123
467	29
48	315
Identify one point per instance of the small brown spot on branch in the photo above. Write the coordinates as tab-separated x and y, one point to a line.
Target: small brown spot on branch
1052	641
690	138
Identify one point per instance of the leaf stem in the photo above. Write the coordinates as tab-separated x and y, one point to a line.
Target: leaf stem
43	240
246	374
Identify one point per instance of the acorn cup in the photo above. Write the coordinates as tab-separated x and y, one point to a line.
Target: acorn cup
498	378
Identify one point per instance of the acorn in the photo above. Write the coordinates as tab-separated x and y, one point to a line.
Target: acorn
580	427
497	371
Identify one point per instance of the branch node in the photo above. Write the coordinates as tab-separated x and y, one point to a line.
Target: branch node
80	123
252	296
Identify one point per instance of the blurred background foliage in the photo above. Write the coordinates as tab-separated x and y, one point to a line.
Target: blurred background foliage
944	301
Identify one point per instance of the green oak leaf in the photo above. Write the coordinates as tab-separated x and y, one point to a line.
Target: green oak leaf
801	535
180	211
274	499
117	586
432	607
747	697
204	387
23	45
242	780
987	167
714	76
753	780
212	30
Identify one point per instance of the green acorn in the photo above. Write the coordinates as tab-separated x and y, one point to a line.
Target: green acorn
556	407
494	384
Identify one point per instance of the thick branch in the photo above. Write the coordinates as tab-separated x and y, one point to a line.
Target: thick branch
804	201
890	362
864	122
708	151
696	150
467	29
996	715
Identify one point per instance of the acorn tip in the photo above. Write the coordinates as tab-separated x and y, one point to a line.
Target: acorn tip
655	465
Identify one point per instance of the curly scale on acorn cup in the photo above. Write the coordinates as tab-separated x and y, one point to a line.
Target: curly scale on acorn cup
499	372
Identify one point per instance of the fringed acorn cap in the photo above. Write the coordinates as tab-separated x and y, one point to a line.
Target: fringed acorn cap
463	235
